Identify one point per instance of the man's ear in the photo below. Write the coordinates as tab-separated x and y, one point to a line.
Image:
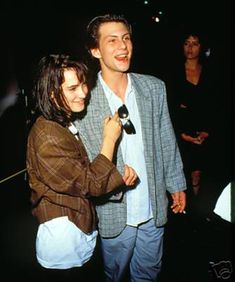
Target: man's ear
95	53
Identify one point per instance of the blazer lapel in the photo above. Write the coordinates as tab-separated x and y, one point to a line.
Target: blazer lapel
144	103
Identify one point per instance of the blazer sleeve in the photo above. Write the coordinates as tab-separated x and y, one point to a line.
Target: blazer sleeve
173	166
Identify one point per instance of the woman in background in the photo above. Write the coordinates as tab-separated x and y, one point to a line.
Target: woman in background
192	105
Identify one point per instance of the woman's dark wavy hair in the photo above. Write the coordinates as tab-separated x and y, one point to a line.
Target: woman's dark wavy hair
48	83
202	40
92	40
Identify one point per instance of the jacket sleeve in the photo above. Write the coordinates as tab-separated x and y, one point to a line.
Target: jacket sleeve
173	166
60	162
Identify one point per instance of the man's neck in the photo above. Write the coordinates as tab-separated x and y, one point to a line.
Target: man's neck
117	82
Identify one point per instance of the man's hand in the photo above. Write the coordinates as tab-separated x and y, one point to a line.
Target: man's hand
179	202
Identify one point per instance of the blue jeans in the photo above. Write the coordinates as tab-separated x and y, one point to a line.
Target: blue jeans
139	247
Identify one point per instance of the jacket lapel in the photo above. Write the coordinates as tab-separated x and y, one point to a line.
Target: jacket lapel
144	103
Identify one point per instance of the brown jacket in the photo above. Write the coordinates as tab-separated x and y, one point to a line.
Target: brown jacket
62	178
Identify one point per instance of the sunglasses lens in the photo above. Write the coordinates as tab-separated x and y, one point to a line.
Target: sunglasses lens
129	127
123	112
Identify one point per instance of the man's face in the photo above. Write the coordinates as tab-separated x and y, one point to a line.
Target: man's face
115	47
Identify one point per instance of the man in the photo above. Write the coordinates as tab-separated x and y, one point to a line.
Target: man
132	226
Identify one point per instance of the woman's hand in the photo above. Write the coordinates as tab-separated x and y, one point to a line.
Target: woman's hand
202	135
199	139
111	132
130	176
112	127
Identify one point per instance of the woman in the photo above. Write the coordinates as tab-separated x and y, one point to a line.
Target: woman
62	179
193	108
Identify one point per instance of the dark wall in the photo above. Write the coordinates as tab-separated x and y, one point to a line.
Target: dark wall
31	29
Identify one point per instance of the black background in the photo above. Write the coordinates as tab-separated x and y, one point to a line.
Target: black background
31	29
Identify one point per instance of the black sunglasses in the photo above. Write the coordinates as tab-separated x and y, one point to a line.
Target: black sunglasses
126	124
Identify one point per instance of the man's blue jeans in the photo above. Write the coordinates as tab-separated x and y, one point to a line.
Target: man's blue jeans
139	248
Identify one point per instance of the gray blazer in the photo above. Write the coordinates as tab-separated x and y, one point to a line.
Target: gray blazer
163	161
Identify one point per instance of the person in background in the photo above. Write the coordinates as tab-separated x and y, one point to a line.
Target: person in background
9	98
12	124
63	181
197	102
193	102
131	225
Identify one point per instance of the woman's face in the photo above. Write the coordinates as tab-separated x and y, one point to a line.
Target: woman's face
192	47
74	92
